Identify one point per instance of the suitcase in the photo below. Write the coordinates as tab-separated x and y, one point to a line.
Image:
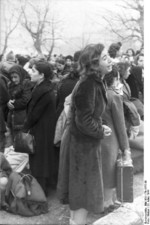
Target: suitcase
124	181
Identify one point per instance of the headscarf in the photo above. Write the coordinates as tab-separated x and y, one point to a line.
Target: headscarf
20	71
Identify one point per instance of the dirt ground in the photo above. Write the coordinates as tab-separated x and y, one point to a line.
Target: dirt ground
59	214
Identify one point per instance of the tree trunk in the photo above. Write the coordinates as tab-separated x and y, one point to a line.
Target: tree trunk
37	45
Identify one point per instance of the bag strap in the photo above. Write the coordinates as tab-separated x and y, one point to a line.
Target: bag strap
27	179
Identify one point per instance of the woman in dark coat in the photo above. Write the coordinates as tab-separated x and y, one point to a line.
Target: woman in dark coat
20	93
80	182
117	141
41	123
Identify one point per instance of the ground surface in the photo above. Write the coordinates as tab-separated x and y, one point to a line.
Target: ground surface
59	214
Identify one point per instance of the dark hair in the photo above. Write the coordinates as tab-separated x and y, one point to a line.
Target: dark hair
89	58
113	48
109	77
137	57
21	59
45	68
133	52
77	55
69	57
122	68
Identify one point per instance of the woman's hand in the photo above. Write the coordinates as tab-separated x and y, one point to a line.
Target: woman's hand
127	156
107	130
10	104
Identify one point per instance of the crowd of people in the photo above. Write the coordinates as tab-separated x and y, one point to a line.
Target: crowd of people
82	110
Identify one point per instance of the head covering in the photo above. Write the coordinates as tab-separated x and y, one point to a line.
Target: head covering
20	71
10	57
5	67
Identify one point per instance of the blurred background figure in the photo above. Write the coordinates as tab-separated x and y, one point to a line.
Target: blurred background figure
115	51
131	54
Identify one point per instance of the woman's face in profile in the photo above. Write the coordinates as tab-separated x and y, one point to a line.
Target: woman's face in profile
127	73
105	63
36	77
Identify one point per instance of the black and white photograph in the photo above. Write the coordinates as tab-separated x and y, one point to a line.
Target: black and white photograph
72	112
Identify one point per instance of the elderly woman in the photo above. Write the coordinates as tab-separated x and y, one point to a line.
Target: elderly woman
41	123
80	182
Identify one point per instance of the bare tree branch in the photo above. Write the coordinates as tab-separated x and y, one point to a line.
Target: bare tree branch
123	24
10	26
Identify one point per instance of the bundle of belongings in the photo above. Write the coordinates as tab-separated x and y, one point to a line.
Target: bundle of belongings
20	193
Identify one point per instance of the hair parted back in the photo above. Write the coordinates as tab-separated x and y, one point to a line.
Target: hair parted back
89	59
45	68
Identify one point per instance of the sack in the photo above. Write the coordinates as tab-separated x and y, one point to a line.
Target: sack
24	142
124	181
5	170
18	161
25	196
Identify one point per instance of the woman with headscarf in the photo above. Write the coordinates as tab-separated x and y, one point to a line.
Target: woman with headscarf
20	92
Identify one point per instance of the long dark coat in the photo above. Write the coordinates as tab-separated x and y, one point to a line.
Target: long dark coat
41	122
114	115
80	176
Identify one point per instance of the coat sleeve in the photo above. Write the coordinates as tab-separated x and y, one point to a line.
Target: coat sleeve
34	116
21	103
119	122
84	111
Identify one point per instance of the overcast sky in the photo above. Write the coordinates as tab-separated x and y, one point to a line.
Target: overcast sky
80	18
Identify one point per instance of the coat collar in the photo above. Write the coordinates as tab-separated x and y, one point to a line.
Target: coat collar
40	90
97	77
